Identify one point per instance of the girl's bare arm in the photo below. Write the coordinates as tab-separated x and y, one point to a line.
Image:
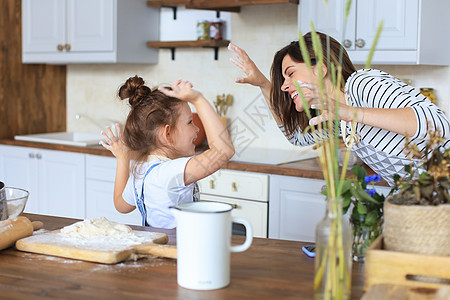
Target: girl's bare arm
122	154
221	148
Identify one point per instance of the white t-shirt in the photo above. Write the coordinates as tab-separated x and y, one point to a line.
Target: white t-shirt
164	187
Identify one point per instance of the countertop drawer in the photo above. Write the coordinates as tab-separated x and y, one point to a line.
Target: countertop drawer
254	211
101	167
236	184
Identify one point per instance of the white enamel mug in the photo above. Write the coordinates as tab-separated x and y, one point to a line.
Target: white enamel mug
204	244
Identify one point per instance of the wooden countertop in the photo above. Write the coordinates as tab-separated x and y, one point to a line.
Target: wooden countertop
308	168
269	269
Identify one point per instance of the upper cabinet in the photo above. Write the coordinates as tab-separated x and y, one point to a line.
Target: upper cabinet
414	31
88	31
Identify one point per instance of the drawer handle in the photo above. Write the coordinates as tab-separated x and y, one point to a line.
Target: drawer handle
234	206
211	184
234	186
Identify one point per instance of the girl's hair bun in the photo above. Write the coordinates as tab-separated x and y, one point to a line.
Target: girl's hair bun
135	90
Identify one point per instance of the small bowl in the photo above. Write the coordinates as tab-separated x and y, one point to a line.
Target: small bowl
16	199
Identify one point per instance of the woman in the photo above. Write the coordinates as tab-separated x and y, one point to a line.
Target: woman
386	110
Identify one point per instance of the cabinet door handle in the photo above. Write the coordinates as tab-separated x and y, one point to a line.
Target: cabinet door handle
60	47
38	155
234	186
68	47
31	155
347	43
235	206
211	184
360	43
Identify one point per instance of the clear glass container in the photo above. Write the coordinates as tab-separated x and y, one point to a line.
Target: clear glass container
363	236
3	205
202	30
333	261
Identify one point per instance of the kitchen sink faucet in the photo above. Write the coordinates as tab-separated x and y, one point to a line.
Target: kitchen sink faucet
102	124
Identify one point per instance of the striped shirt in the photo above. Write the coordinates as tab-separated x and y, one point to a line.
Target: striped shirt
383	150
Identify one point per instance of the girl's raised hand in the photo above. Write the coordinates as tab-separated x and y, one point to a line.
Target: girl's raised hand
182	90
254	75
115	144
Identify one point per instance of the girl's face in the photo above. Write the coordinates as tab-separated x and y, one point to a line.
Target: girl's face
294	71
185	132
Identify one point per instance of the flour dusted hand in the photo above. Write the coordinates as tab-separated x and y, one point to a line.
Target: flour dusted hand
96	227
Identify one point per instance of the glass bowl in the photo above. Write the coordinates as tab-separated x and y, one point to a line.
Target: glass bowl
16	199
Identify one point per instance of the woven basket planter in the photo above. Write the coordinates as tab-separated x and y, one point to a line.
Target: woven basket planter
417	228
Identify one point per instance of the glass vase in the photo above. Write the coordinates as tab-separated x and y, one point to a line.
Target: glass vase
333	261
363	236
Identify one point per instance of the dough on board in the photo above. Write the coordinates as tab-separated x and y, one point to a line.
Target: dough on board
96	227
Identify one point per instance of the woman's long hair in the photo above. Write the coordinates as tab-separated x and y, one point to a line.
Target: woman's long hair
281	102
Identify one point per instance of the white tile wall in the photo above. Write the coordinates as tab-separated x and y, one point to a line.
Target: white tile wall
261	30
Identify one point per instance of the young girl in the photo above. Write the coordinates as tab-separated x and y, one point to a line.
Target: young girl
159	136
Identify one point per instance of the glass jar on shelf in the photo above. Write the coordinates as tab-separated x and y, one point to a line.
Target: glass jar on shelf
429	93
216	29
202	30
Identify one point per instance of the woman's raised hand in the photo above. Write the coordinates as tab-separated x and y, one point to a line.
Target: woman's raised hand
115	144
182	90
327	111
254	75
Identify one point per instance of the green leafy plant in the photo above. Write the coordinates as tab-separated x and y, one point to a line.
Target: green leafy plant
367	202
366	216
431	186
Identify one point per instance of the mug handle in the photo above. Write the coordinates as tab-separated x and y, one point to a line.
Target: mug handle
248	235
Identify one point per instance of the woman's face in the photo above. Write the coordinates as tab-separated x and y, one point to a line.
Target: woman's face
185	132
294	71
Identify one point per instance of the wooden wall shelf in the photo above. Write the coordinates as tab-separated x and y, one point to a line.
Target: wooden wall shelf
213	4
218	5
215	44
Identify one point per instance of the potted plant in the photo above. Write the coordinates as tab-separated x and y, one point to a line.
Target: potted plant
417	214
366	215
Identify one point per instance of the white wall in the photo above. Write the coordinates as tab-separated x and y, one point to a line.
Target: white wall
261	30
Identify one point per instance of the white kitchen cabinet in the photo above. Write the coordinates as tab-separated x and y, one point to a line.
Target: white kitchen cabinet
88	31
55	179
100	175
414	31
19	168
247	192
296	206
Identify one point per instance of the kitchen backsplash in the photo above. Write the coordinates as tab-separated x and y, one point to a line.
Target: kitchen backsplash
261	30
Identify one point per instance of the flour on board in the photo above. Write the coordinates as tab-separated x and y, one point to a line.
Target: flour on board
96	227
